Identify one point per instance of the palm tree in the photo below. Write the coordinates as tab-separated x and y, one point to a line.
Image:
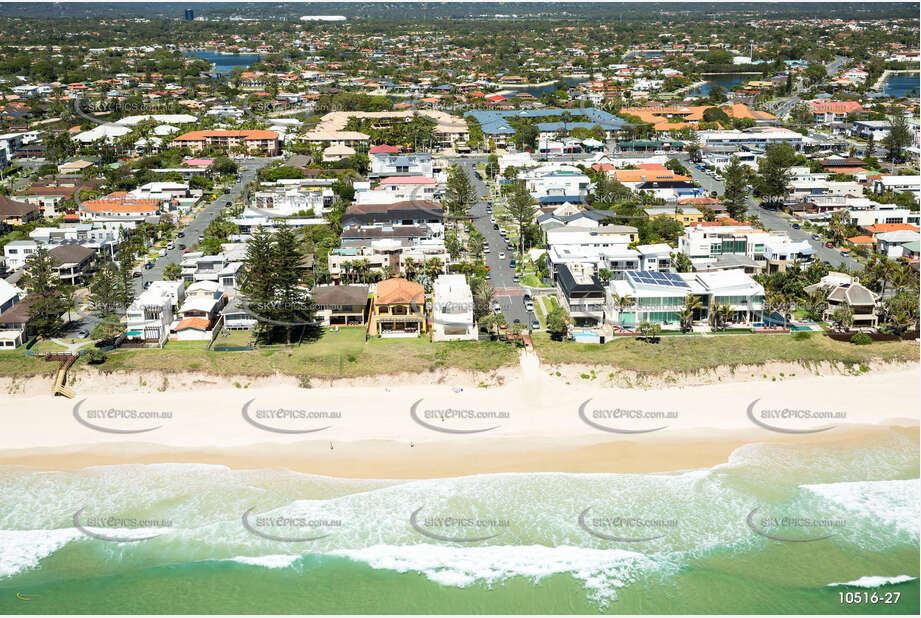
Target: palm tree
815	303
778	302
622	303
433	267
409	267
686	314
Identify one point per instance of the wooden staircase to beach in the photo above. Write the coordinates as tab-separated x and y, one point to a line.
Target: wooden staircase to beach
60	377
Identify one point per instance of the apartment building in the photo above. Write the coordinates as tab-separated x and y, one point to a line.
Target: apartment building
261	142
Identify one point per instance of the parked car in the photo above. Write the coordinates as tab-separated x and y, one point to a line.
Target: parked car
148	265
227	203
181	234
796	226
170	245
486	249
502	255
512	263
181	246
529	305
147	284
830	244
515	278
496	308
816	237
136	274
535	324
83	334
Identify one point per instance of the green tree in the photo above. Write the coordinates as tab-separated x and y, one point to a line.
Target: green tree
522	209
172	271
686	313
558	322
104	295
898	137
774	170
47	295
459	193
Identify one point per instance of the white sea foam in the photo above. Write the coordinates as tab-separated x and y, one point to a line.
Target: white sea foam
875	581
602	571
893	504
275	561
21	550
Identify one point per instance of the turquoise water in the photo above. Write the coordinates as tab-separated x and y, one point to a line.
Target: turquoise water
727	81
902	85
691	552
225	63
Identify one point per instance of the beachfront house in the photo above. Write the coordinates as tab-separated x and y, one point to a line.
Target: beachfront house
580	292
842	290
658	297
452	303
341	305
397	309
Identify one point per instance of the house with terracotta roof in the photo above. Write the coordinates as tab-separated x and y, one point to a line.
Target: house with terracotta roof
119	207
254	141
397	309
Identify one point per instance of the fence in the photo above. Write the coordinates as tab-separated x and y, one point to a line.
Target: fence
846	336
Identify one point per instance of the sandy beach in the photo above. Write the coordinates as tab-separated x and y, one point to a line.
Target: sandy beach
527	424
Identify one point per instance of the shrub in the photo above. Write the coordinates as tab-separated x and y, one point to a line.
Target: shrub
95	356
861	339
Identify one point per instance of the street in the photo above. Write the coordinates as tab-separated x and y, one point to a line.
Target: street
771	219
509	294
247	170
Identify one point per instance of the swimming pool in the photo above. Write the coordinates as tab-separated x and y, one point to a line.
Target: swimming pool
586	337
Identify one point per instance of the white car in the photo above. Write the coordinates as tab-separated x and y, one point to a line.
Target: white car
502	255
497	308
485	249
529	305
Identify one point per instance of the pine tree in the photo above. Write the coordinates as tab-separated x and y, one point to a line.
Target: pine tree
294	305
105	291
735	194
46	293
257	282
521	208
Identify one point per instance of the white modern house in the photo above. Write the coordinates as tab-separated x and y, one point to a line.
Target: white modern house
149	317
898	184
452	309
659	297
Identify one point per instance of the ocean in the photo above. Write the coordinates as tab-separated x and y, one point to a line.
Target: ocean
827	528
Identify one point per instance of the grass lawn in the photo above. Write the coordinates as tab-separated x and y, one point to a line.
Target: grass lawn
694	352
539	311
46	345
343	353
534	282
14	363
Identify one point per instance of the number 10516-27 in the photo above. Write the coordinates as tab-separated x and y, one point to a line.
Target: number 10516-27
864	597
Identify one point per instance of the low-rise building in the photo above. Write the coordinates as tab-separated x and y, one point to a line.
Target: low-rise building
659	297
341	305
452	309
397	309
581	294
842	290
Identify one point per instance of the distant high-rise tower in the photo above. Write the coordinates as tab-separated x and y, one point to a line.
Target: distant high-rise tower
189	14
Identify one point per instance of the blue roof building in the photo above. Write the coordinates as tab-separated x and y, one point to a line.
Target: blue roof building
495	122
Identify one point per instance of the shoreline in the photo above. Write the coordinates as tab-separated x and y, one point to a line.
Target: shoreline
387	460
